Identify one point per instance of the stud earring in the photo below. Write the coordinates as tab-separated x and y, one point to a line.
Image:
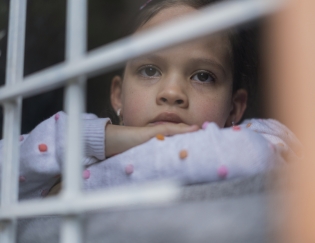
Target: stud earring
118	112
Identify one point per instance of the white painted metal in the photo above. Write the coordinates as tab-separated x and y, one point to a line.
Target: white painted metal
12	116
74	97
72	174
212	19
8	231
74	106
71	230
14	75
157	193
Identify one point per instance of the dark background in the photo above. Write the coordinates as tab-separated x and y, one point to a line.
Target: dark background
108	20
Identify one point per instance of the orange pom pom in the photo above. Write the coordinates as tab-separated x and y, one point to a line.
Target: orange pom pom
183	154
160	137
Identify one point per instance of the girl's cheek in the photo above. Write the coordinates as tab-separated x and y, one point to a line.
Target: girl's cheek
135	109
215	109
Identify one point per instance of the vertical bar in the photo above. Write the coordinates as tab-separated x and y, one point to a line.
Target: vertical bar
74	97
292	89
70	233
12	115
74	107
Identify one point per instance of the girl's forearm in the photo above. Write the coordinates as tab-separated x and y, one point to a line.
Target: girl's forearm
121	138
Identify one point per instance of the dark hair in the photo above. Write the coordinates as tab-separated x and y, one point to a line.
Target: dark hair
243	42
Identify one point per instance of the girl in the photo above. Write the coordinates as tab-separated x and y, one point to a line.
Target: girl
179	108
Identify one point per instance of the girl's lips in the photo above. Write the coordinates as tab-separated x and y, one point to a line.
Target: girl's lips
163	122
166	117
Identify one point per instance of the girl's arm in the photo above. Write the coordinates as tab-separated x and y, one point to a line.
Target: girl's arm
42	152
278	135
206	155
121	138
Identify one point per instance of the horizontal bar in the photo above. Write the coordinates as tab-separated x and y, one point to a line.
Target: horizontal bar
156	193
210	20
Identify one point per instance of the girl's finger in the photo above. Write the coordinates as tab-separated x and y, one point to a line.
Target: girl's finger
172	129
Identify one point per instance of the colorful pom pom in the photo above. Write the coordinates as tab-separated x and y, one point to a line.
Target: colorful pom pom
236	128
42	147
57	117
160	137
129	169
204	125
222	172
86	174
183	154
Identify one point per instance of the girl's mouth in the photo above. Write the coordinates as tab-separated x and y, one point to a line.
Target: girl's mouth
166	117
163	122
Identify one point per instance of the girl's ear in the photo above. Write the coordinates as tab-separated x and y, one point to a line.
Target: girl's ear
115	93
239	104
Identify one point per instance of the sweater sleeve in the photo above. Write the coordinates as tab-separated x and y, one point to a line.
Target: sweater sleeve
210	154
42	152
278	135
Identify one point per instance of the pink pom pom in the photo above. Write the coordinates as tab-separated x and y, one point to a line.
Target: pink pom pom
129	169
222	172
57	116
86	174
205	124
236	128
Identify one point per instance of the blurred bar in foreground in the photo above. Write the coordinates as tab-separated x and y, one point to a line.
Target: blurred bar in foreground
291	86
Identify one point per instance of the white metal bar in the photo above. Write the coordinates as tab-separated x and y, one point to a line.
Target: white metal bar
14	75
71	229
12	115
72	175
154	193
210	20
10	163
8	231
74	107
74	97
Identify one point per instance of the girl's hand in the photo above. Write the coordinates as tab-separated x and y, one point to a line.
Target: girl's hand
121	138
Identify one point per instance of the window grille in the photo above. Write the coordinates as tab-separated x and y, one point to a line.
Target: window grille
72	74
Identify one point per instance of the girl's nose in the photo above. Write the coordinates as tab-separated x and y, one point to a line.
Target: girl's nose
172	93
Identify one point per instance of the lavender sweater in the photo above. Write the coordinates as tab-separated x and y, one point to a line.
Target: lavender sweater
210	154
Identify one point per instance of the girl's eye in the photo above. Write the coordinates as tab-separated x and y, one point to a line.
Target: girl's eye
149	72
203	77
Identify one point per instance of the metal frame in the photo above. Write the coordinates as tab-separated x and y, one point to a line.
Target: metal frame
73	73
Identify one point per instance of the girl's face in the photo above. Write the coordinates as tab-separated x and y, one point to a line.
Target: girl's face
190	83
